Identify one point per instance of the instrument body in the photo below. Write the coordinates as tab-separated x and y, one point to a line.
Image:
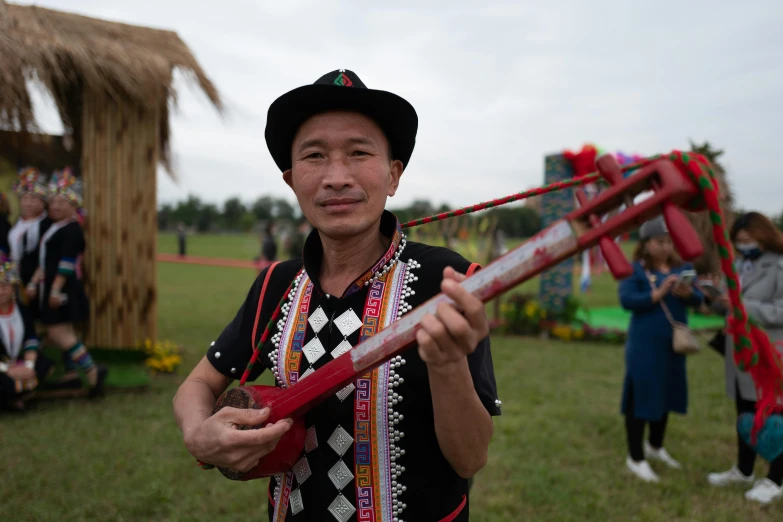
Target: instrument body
579	230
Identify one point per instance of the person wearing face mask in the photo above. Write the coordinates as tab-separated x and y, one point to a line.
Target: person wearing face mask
759	246
655	380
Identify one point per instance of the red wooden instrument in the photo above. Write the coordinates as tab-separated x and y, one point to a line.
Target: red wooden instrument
579	230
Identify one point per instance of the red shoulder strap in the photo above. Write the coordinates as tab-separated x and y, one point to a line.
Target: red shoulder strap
260	301
472	268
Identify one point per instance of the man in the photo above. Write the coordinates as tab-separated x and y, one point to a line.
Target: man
181	238
401	442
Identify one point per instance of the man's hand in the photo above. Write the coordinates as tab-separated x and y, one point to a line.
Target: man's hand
219	442
449	336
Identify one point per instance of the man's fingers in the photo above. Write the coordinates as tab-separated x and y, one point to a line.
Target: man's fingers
243	416
457	326
471	307
436	330
450	273
254	440
428	348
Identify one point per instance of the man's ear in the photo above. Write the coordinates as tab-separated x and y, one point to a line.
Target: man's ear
288	178
396	173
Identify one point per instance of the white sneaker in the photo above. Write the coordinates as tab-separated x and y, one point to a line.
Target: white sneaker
727	478
764	492
641	469
660	454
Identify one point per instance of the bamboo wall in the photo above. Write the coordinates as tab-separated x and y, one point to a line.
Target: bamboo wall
119	158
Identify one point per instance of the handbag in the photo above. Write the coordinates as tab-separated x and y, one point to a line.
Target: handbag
683	340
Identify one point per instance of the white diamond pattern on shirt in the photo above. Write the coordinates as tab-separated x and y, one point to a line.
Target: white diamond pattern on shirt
341	509
345	392
343	347
302	470
340	441
313	350
318	320
296	501
348	322
340	475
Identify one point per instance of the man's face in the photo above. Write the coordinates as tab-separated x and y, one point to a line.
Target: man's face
342	173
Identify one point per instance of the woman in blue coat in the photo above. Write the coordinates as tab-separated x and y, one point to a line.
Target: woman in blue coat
655	380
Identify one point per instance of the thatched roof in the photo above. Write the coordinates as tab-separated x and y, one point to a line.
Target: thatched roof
69	53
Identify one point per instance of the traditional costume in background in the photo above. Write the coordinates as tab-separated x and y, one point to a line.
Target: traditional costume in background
17	338
25	236
61	252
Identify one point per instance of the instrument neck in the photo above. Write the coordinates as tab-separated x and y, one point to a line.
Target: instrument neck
549	247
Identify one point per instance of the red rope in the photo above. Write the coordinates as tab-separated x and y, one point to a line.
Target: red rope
558	185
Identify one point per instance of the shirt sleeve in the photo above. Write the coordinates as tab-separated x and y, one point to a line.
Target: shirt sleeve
231	351
73	246
635	291
481	368
483	373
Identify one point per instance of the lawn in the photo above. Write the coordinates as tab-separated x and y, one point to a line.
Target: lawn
557	453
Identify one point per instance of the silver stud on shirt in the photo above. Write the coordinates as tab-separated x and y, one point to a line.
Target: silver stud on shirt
233	370
217	355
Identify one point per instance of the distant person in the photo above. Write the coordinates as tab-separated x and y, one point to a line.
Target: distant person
22	368
181	238
25	236
58	287
268	248
655	381
759	245
298	237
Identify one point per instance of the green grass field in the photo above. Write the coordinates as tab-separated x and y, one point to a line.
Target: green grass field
557	454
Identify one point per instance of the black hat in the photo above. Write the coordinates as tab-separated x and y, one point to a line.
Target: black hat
340	90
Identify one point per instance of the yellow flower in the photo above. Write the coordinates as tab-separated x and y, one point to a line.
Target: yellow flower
531	308
579	333
164	356
562	332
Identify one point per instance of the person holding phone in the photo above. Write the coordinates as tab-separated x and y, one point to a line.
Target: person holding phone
759	245
655	381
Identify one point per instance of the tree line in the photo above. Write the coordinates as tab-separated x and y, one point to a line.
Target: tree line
236	216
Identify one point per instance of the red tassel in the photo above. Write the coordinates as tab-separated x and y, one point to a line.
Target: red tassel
582	162
767	374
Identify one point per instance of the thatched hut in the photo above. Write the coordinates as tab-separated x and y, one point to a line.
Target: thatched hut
112	84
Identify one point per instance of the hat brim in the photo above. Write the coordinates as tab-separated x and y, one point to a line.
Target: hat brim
395	116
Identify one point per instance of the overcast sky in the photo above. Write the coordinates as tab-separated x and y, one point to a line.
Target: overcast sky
497	86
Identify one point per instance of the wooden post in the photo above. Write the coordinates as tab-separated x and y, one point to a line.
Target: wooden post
119	161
